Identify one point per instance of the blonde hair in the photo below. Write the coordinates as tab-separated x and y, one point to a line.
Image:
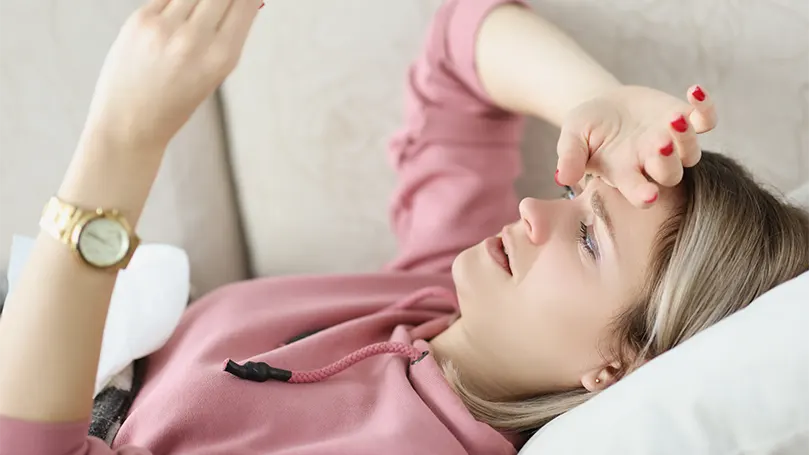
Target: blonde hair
728	242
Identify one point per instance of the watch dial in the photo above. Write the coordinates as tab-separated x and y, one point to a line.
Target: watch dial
103	242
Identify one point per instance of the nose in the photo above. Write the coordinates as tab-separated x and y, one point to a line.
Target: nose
535	217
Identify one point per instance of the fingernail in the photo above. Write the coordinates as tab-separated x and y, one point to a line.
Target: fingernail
651	199
556	178
668	149
680	125
699	95
262	5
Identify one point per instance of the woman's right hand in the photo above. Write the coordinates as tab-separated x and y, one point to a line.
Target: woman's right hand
634	138
169	56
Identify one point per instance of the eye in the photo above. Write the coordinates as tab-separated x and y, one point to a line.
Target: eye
587	241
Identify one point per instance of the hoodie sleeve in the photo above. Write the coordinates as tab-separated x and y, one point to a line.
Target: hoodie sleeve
41	438
458	154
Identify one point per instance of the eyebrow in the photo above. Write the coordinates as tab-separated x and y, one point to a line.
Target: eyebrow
600	210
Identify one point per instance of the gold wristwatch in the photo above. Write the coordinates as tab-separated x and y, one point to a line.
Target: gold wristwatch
102	239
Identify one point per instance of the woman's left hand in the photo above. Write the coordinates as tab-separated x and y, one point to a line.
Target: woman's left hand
635	138
169	56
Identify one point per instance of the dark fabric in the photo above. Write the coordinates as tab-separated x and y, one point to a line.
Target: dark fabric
111	405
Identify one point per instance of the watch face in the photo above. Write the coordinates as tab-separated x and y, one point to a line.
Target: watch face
103	242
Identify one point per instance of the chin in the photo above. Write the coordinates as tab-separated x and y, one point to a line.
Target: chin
470	275
463	267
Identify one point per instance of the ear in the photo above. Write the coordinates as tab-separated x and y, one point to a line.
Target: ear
601	378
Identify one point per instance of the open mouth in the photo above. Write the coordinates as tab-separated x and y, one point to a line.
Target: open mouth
497	251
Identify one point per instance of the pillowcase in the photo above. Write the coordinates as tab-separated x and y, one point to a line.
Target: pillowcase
739	387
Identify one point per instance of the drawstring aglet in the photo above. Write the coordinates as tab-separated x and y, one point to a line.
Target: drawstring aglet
256	371
420	357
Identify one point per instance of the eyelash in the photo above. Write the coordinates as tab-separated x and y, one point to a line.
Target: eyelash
569	193
584	239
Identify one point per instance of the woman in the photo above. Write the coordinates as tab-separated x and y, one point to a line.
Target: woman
495	316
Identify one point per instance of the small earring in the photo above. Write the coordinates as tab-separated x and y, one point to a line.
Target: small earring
598	381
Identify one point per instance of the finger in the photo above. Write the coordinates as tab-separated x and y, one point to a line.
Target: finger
238	20
573	153
639	191
703	118
685	140
155	6
209	13
177	11
660	162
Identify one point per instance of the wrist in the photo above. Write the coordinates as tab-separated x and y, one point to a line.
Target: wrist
109	172
557	108
120	139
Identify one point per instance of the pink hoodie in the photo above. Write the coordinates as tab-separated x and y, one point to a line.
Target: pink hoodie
457	158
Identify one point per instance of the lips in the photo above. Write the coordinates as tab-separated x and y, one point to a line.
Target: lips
494	246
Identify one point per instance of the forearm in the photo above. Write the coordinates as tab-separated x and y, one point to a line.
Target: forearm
527	65
52	326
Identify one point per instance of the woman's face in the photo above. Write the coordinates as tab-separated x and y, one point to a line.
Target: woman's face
573	265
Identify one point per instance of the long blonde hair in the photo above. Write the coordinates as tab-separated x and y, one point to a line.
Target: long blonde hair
728	242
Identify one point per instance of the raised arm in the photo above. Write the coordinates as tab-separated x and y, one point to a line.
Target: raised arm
169	57
526	64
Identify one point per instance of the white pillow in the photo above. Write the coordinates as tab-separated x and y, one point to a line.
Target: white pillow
740	387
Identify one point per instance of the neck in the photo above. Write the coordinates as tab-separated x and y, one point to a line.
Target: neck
477	367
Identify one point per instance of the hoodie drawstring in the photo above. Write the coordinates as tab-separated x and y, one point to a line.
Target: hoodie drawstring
261	372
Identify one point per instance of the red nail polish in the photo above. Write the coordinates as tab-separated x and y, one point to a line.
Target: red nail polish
556	178
680	125
668	149
699	95
262	5
651	199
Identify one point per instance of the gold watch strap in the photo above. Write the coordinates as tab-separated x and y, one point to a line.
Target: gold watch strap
58	219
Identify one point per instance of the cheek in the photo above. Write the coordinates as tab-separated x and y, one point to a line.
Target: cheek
555	307
570	317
